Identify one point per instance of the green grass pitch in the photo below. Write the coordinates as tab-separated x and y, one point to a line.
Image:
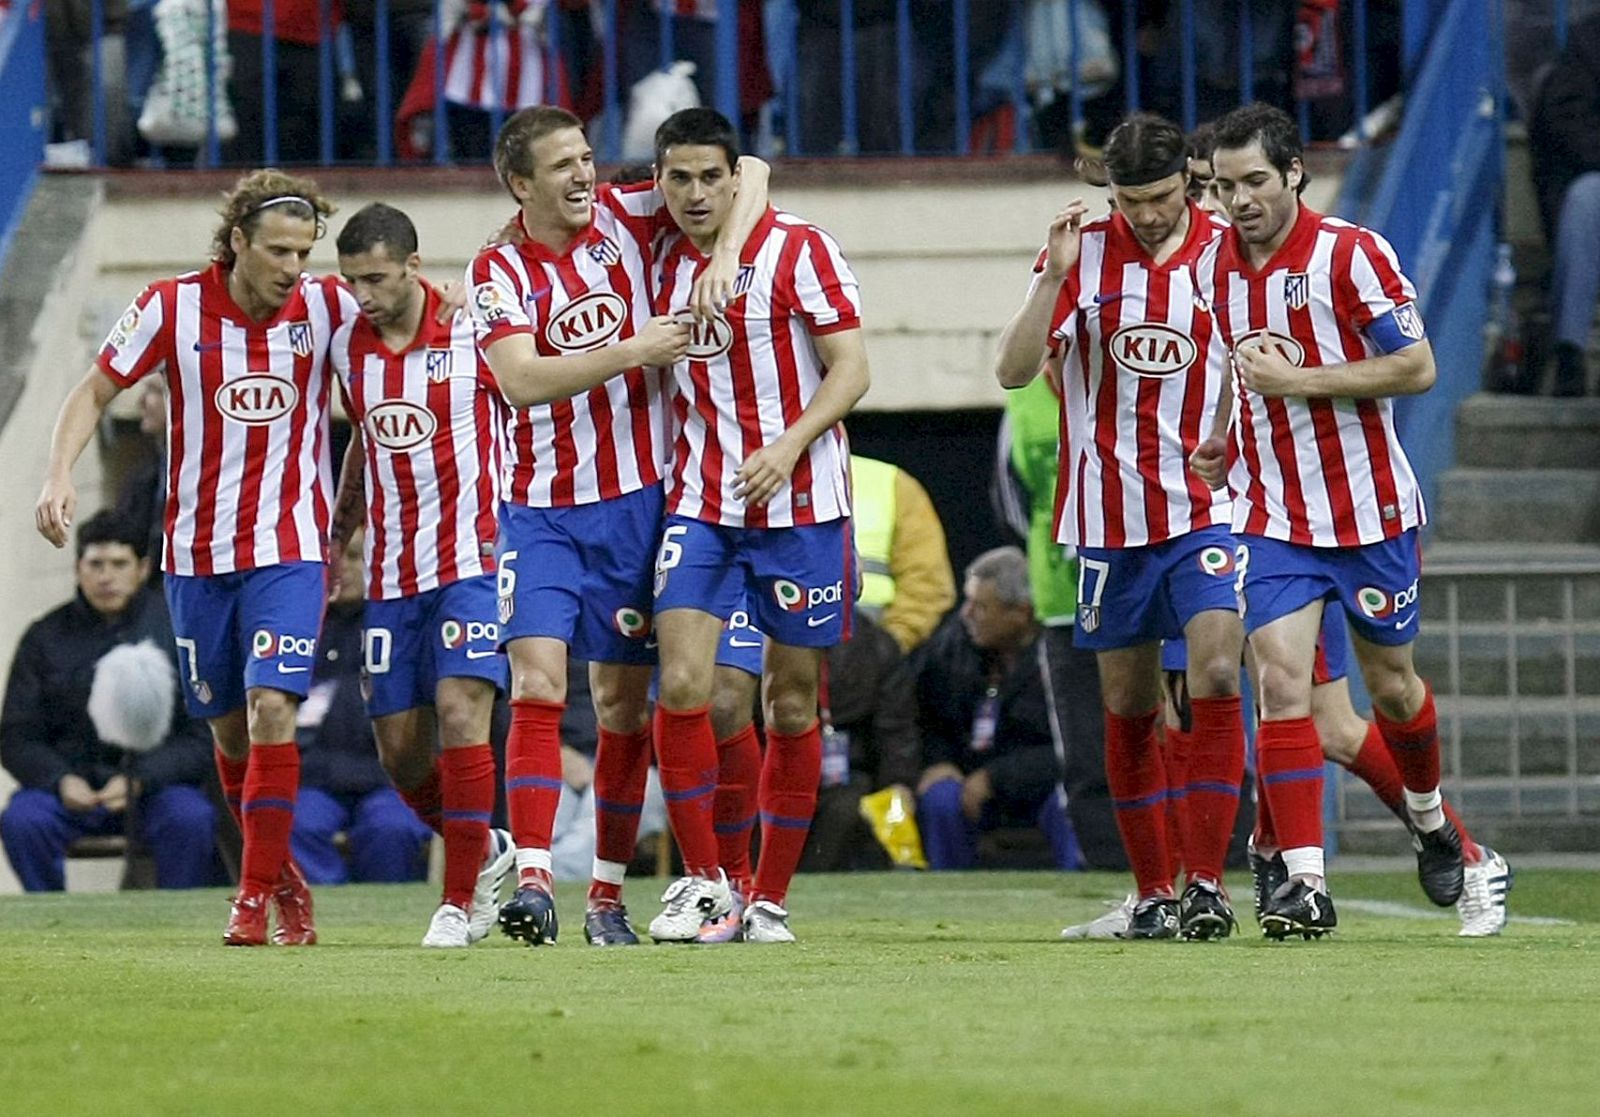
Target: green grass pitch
925	994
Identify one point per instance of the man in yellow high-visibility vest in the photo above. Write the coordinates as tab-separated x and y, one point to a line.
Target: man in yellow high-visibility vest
907	584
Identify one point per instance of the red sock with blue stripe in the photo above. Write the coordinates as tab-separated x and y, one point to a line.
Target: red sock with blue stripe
621	773
686	757
231	773
1138	781
467	800
271	785
787	796
1211	788
734	811
533	785
1175	747
1290	759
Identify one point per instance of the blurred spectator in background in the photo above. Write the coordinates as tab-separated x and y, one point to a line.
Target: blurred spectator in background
990	760
343	787
296	33
73	781
1530	29
410	32
69	67
869	742
1025	491
693	30
1564	143
907	585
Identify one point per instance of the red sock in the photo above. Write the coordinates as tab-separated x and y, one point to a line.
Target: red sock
790	774
1211	791
621	771
1176	745
686	756
1291	776
1138	782
734	812
1265	836
426	799
1415	745
231	773
533	784
271	785
1471	851
466	779
1374	766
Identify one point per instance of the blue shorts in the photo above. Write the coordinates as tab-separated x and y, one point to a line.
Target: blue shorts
796	583
1175	654
581	575
251	628
1333	648
1376	585
741	644
1132	595
410	643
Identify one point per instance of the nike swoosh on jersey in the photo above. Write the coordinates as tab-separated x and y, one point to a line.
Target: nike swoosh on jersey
206	346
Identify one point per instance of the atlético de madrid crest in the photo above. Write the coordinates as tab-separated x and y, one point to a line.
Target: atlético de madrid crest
605	252
438	366
1297	290
300	338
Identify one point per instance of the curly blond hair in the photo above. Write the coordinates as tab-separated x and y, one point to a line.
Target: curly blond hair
243	206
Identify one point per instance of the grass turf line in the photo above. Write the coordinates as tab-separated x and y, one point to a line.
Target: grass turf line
907	994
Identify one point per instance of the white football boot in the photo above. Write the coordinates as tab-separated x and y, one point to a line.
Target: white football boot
449	927
1112	925
690	902
499	856
765	921
1482	905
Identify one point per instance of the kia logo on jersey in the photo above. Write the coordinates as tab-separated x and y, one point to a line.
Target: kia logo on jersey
708	340
400	425
257	399
1151	349
588	323
1288	346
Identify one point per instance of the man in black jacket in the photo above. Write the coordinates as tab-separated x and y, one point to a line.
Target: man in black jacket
986	744
1564	143
73	783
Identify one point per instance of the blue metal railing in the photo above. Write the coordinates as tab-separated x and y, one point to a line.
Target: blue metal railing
929	66
21	112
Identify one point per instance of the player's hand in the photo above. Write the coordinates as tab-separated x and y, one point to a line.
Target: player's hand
663	341
76	794
114	795
53	514
1210	462
937	773
1267	371
713	291
976	791
577	770
510	233
452	297
764	473
1065	239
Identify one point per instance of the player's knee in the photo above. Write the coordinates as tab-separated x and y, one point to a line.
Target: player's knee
271	714
1284	693
464	714
732	708
683	687
1397	694
536	683
1215	676
791	712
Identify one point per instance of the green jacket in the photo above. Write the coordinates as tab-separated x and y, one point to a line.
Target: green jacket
1035	415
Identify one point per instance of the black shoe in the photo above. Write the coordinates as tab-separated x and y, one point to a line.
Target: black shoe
530	916
1298	909
1204	913
1269	874
1439	866
609	926
1154	918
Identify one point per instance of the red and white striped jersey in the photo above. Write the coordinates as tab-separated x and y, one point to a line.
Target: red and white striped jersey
248	478
751	372
504	65
612	439
1140	376
1323	472
431	419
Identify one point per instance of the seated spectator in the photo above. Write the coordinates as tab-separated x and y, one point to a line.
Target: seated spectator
907	585
343	787
74	783
1566	174
989	758
869	742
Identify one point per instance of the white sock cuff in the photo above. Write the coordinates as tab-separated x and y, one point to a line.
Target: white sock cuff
609	872
1305	861
1420	801
533	859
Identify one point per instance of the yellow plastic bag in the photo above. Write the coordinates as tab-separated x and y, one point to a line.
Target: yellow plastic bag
892	814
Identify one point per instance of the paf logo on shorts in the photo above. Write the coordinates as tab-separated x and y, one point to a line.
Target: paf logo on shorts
453	634
1377	604
262	643
588	323
265	644
1291	349
789	595
631	622
257	399
401	425
1217	561
1152	349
